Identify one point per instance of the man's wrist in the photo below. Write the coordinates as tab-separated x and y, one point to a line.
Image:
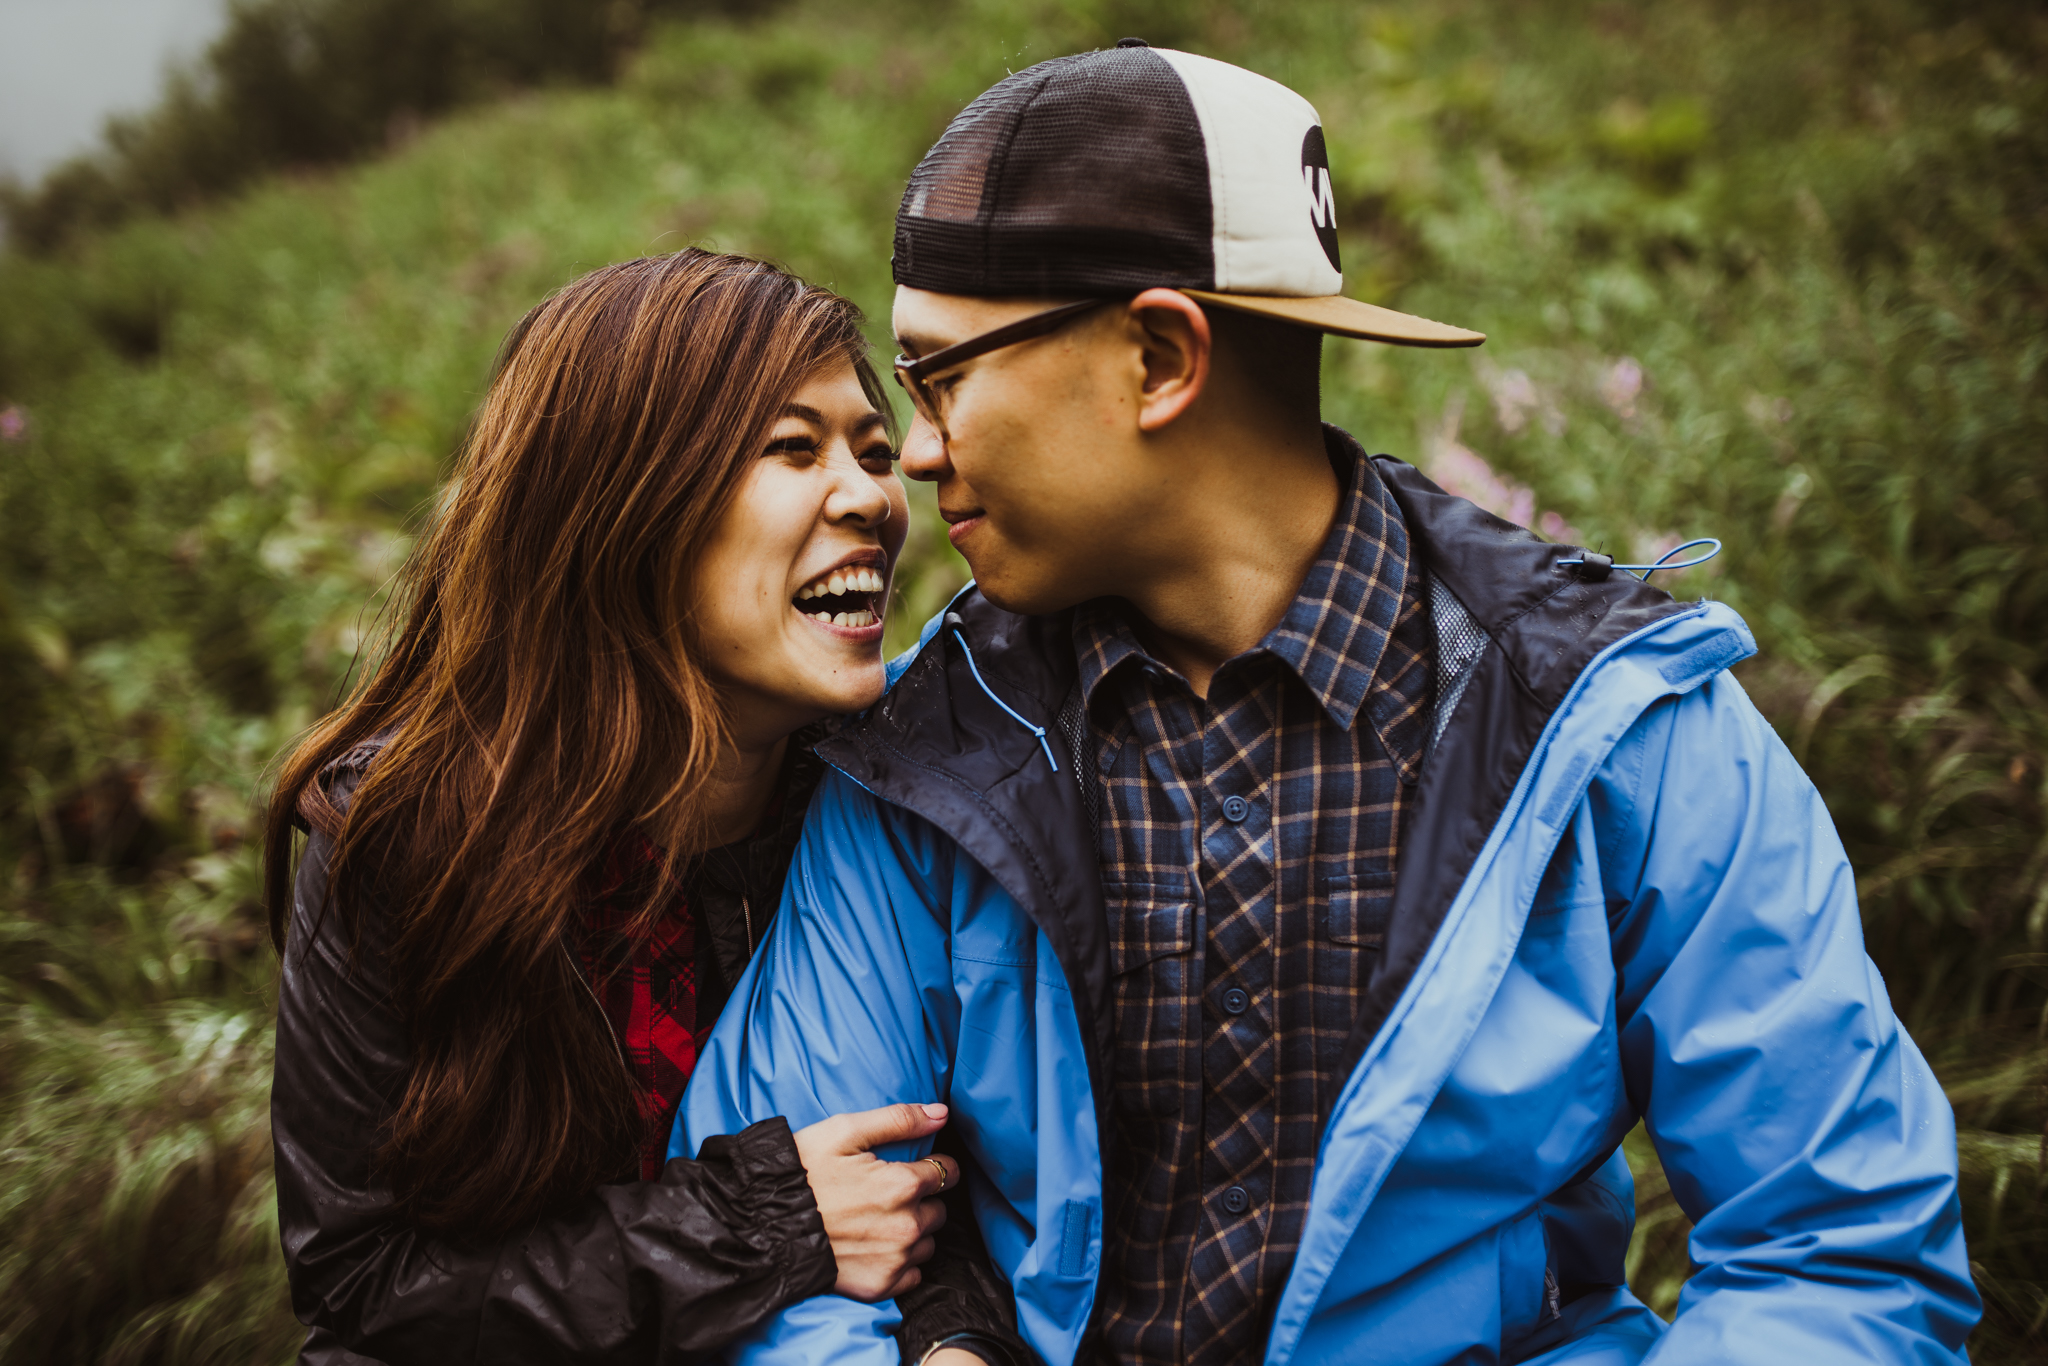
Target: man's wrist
981	1347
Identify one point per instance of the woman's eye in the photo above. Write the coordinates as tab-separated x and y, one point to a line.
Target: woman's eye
792	445
878	458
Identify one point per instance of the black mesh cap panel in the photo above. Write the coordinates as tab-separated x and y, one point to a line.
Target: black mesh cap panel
1082	175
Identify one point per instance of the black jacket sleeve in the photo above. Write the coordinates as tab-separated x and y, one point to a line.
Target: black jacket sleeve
635	1272
960	1300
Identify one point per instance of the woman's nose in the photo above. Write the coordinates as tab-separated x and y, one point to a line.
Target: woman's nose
924	454
860	498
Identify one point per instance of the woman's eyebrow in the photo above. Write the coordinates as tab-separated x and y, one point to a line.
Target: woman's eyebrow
805	412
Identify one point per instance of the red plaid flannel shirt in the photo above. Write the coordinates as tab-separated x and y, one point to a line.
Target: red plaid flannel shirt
646	984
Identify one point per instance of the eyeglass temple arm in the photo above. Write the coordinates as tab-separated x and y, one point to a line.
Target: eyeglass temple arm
1023	329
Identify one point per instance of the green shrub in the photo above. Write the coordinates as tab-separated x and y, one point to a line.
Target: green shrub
304	83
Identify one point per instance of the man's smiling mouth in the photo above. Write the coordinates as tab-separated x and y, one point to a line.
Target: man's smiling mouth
850	596
959	525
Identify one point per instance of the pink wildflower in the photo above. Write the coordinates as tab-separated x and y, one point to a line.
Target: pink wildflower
1621	385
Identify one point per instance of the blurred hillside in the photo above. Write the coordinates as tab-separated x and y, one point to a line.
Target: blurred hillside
1774	274
66	65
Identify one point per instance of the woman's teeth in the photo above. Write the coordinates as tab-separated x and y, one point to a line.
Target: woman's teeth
856	583
856	580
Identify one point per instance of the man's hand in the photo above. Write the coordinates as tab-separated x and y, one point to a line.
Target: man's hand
879	1215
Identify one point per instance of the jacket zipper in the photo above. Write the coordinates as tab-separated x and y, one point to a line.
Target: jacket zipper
747	918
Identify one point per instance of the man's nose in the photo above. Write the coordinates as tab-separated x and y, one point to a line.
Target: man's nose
924	455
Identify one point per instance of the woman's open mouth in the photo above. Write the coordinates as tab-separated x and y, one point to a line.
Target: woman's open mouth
850	597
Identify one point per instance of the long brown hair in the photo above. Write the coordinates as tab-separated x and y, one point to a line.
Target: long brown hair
542	695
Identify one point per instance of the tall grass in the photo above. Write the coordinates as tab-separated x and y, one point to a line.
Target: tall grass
1768	273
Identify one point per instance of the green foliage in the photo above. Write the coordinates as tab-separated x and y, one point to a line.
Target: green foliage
137	1214
140	1216
301	83
1767	273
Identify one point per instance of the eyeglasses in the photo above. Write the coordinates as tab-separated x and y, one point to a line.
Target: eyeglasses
913	372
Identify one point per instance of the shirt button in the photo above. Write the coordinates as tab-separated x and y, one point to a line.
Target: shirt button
1236	1200
1235	1001
1235	809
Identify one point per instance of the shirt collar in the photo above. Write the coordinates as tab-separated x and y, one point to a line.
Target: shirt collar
1337	627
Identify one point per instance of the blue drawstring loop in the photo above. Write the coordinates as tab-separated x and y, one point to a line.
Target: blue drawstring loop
953	620
1599	566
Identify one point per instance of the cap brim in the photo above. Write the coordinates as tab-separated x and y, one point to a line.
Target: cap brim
1345	317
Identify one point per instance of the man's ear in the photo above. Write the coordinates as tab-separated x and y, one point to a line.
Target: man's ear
1173	334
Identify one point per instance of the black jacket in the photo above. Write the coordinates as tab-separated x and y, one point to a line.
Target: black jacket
635	1272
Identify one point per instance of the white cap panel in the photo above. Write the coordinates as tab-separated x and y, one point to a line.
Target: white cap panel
1265	213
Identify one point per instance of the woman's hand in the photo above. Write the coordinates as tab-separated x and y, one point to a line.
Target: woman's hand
879	1215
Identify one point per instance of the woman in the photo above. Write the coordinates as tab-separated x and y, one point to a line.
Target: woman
545	835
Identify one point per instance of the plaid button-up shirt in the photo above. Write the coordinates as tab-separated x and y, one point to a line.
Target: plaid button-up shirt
1248	850
645	980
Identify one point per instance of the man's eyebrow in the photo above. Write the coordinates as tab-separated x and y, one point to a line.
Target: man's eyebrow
914	344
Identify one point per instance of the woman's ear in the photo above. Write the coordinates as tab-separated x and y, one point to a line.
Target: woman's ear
1175	341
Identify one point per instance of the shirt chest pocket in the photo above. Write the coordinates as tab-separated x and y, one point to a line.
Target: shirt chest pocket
1352	906
1151	947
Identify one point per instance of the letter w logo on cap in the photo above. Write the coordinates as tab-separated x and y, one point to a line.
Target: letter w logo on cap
1322	199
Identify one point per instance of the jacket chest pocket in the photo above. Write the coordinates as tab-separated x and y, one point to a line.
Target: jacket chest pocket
1157	996
1352	906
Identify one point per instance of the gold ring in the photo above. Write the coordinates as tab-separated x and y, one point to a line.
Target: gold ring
944	1175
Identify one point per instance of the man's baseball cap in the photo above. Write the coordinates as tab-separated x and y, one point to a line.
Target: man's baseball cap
1118	171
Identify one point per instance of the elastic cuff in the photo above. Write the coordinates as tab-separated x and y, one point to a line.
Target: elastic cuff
776	1192
767	1152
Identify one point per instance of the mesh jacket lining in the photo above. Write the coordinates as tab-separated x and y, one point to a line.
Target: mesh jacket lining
1459	642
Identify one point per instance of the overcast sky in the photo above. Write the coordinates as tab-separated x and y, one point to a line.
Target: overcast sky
67	64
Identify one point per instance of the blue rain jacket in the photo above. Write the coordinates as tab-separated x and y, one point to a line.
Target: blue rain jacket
1619	899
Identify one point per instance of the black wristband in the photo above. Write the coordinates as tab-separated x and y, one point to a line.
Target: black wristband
987	1348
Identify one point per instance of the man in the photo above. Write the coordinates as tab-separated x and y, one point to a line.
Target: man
1297	880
